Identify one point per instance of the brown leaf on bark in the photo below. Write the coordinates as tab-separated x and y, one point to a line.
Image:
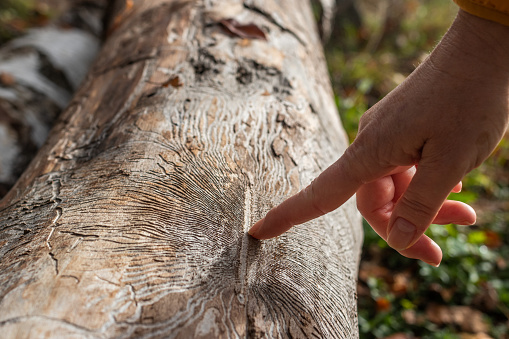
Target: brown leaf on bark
174	82
248	31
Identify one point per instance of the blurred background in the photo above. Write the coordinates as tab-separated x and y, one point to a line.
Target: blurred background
374	45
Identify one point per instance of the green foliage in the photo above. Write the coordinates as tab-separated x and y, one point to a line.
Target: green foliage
368	59
471	274
18	15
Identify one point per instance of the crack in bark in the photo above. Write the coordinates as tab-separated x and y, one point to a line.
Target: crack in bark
42	318
106	280
164	169
275	22
80	235
55	192
123	64
52	256
133	293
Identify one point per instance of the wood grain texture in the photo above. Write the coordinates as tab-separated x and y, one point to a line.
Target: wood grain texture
131	221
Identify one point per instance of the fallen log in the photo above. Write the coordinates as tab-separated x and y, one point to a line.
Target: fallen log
131	220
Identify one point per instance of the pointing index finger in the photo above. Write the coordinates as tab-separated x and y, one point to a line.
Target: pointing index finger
327	192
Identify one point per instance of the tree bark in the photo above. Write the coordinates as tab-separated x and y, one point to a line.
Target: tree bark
131	221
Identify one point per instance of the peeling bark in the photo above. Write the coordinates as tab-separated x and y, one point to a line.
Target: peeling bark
131	221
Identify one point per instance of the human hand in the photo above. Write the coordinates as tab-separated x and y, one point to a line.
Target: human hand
445	118
376	202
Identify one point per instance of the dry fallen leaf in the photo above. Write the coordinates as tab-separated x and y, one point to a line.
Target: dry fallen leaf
487	297
474	336
398	336
248	31
501	263
368	270
401	283
467	318
445	293
492	239
382	304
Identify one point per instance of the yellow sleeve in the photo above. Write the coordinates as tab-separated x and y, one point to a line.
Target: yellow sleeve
494	10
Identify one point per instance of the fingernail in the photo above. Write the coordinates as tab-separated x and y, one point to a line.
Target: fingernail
256	228
432	264
402	234
433	257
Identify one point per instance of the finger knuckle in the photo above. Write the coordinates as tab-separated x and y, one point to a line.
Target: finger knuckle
311	196
418	207
364	120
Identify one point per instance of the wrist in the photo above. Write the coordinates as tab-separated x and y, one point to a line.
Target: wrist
474	49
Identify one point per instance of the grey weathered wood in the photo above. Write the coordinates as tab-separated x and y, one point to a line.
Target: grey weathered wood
131	221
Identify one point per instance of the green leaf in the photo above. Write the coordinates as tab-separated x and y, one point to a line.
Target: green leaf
476	237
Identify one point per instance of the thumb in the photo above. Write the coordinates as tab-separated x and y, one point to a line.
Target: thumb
420	203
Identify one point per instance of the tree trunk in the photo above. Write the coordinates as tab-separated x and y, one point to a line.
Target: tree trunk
131	221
